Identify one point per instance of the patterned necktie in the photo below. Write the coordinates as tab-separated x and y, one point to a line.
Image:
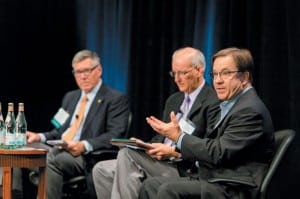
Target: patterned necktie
186	106
68	136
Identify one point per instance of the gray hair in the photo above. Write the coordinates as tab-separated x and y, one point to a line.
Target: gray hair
85	54
196	56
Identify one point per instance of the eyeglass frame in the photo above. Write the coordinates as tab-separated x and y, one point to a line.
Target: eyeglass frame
180	73
86	71
223	74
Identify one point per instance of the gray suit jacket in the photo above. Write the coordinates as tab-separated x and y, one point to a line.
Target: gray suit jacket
239	148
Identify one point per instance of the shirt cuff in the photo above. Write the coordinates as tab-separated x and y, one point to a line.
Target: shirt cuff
43	137
88	147
179	141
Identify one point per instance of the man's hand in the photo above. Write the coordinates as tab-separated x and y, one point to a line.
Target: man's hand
162	151
75	148
170	130
32	137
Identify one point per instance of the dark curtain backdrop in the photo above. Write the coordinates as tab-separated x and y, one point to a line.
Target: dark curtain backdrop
37	43
135	39
105	27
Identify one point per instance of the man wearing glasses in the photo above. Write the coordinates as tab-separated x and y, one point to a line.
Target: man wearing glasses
236	148
88	118
123	177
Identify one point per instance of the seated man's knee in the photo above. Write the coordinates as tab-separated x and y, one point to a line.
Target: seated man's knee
104	168
122	152
165	189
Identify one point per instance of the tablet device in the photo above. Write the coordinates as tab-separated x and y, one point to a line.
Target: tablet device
57	143
134	144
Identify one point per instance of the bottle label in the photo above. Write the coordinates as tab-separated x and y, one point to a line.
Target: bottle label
20	139
2	136
21	136
10	139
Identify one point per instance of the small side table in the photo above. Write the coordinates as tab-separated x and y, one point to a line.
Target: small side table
27	157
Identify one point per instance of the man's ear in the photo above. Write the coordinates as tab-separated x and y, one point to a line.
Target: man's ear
201	70
245	78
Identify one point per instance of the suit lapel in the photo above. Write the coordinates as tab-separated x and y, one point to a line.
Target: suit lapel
245	96
213	117
176	105
198	102
94	108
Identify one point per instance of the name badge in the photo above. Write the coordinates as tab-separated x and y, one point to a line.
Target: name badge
60	118
187	126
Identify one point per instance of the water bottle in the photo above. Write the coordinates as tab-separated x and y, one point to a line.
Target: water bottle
21	127
10	128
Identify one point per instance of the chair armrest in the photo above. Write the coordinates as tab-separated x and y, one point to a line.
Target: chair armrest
100	155
104	151
75	180
232	182
104	154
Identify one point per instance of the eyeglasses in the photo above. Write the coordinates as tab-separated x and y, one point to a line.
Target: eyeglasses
84	72
226	74
180	73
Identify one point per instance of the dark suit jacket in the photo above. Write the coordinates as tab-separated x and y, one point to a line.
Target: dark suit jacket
107	117
197	114
240	147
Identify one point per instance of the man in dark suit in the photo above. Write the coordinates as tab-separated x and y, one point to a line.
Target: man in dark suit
238	144
105	116
123	177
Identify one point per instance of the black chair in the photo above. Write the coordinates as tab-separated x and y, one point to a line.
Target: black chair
283	140
76	186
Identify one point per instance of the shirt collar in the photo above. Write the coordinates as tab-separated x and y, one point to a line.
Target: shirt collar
193	95
228	104
91	95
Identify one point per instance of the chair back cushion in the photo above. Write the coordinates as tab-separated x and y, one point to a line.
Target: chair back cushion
283	139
